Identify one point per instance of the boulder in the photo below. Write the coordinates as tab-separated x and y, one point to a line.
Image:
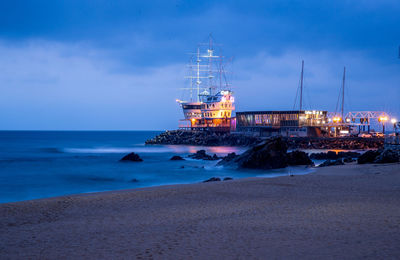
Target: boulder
298	158
228	179
202	155
387	156
333	155
331	163
270	154
225	160
213	179
348	160
132	157
177	158
134	180
368	157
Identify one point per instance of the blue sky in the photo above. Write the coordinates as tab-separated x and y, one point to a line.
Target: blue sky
120	64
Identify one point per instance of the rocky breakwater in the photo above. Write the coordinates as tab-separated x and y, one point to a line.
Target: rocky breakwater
203	138
345	143
380	156
182	137
270	154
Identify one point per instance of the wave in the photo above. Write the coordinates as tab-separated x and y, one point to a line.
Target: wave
118	150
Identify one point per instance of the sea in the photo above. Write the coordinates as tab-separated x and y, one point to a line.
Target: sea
42	164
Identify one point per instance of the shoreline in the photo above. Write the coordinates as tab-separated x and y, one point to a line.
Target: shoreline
348	211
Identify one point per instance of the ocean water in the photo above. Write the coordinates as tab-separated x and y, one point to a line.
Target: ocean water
40	164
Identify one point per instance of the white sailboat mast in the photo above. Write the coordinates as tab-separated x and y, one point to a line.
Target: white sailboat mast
210	54
198	82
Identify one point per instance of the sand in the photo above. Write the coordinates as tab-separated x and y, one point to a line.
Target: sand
342	212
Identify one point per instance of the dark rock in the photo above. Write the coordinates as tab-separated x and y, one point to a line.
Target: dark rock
298	158
134	180
333	155
182	167
177	158
271	154
368	157
215	157
387	156
132	157
213	179
348	154
201	155
228	179
348	160
331	163
225	160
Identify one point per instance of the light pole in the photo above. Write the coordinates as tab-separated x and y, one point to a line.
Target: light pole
383	119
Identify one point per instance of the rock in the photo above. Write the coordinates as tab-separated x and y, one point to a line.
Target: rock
134	180
177	158
368	157
213	179
225	160
348	154
271	154
215	157
333	155
298	158
387	156
348	160
228	179
201	155
132	157
331	163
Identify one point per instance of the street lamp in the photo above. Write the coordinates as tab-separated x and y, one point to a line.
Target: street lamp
383	119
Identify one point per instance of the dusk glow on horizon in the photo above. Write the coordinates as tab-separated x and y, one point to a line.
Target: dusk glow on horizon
120	65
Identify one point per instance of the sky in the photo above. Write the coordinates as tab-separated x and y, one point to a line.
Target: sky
120	65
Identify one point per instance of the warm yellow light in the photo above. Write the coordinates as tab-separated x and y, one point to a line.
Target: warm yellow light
394	120
193	120
383	118
336	119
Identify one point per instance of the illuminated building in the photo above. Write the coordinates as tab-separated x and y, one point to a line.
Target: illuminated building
285	123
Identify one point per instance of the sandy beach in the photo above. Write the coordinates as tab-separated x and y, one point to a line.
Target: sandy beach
342	212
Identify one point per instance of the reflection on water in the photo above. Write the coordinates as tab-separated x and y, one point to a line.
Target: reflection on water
219	150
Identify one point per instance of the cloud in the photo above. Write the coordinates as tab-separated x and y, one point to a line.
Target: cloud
47	85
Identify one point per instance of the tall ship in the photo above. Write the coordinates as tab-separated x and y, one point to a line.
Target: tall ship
208	102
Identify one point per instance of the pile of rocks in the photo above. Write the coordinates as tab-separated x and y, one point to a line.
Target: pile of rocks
380	156
331	155
271	154
203	138
332	163
347	143
202	155
235	139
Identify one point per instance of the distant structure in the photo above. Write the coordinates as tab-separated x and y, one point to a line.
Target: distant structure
284	123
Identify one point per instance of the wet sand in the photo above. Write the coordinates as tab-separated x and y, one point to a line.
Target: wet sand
342	212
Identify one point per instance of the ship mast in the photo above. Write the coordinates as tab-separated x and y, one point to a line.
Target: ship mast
344	77
210	54
301	85
198	82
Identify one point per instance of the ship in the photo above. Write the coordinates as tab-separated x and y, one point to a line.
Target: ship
208	103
